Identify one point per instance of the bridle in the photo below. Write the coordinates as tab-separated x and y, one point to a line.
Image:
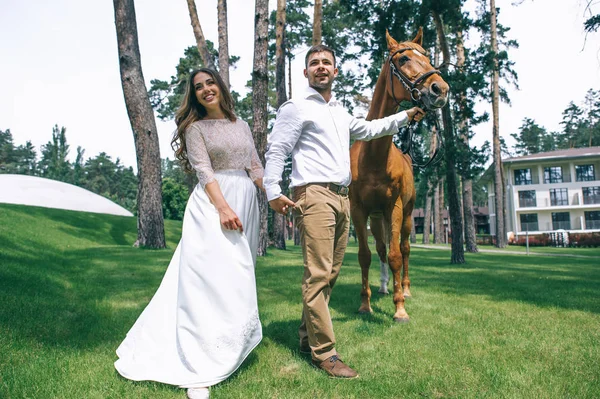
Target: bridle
410	86
415	96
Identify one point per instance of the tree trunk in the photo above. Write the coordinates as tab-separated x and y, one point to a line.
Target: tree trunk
200	40
438	206
260	81
223	42
317	22
290	76
454	211
413	231
151	232
279	221
467	182
427	214
498	181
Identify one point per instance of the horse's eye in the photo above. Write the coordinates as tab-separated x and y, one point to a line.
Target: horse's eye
403	59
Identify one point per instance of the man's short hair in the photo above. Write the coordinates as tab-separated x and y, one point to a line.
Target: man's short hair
319	48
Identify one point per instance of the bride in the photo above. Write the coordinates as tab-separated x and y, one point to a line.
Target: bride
203	320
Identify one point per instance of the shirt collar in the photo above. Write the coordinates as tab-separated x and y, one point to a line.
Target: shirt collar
312	93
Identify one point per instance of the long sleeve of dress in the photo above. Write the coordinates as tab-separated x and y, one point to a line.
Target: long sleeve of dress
256	170
198	155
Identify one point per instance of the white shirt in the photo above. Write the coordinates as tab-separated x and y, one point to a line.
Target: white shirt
317	134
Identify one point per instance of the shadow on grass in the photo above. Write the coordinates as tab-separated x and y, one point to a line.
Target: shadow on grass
75	298
543	281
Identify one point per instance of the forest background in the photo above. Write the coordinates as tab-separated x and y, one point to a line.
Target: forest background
62	96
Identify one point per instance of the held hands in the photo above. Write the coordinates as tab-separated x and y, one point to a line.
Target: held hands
282	204
229	220
415	114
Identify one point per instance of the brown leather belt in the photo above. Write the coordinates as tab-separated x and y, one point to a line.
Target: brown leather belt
336	188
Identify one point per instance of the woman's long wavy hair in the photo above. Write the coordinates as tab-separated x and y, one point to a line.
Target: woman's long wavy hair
191	111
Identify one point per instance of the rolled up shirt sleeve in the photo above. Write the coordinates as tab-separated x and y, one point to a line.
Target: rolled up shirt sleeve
361	129
281	142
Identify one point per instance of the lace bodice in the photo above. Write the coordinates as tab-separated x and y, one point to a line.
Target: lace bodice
219	144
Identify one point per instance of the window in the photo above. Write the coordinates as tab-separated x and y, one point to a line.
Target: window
592	220
553	174
559	196
561	220
529	222
585	173
591	195
522	176
527	199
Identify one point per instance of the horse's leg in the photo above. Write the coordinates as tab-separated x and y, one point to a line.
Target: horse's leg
405	249
395	258
379	233
364	257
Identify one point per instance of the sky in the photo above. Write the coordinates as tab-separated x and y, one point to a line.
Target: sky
59	65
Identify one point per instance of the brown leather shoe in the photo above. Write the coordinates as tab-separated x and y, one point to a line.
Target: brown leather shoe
336	368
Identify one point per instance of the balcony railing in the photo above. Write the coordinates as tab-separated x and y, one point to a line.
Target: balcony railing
527	202
531	226
591	199
559	201
566	178
533	180
592	224
564	225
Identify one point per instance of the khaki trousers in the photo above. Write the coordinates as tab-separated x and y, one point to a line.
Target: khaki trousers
323	220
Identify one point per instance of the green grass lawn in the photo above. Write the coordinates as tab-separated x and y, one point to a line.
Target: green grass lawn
499	326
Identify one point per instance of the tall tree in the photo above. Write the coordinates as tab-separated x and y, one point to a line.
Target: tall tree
317	22
53	163
151	232
454	209
591	109
7	149
532	139
223	42
467	181
199	35
260	85
571	123
280	221
501	238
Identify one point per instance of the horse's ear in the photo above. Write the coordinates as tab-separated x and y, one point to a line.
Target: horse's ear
391	43
419	38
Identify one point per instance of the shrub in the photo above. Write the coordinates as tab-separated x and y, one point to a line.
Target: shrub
580	240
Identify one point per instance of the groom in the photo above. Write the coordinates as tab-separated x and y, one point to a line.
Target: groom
316	130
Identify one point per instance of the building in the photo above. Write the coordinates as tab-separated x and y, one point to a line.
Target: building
545	192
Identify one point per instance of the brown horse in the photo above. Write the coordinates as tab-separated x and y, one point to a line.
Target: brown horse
382	177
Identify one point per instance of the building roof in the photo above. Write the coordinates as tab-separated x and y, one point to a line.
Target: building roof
570	153
37	191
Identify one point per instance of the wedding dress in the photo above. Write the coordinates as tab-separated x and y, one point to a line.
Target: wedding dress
203	320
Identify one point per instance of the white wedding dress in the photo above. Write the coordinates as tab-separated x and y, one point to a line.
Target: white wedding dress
203	320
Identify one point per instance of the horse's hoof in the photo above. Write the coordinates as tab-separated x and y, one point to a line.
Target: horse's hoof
365	311
383	292
401	320
406	296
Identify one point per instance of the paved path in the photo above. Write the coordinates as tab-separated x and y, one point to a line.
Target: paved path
504	251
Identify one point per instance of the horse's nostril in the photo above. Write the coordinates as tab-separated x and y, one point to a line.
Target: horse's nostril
436	89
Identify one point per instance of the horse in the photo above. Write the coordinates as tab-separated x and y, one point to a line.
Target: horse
382	184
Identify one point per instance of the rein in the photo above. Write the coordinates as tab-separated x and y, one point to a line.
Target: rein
415	96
